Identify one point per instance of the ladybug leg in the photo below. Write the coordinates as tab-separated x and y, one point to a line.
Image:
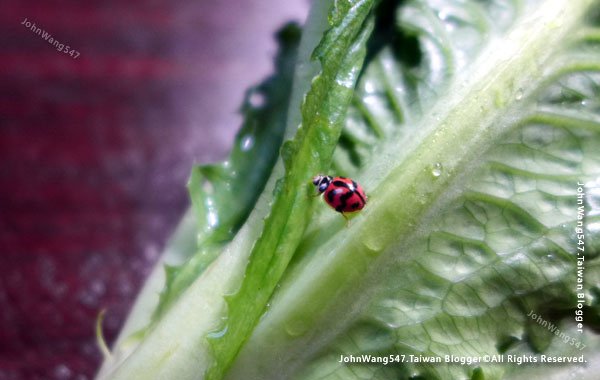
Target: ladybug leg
312	194
345	217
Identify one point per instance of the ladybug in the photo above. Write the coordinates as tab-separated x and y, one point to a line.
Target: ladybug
341	193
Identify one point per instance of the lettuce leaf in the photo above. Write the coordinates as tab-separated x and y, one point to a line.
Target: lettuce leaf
474	126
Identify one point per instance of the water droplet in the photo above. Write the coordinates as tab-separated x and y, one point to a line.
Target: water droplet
256	99
296	327
369	87
247	143
213	219
211	216
207	186
584	103
437	169
217	334
519	94
346	80
372	246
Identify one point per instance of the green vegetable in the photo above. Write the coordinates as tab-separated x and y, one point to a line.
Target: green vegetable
474	127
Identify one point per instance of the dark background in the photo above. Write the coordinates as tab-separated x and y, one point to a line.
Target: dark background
95	153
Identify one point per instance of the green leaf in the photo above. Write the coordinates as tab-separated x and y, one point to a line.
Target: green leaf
341	54
224	194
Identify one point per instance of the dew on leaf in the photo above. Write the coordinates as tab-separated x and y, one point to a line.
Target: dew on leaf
256	99
437	169
519	94
296	327
246	143
218	334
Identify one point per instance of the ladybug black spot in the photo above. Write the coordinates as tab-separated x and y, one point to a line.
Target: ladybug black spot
341	184
331	195
355	205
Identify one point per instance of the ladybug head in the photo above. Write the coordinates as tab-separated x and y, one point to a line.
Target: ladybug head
321	182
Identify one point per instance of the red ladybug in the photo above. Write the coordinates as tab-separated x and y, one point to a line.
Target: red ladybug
341	193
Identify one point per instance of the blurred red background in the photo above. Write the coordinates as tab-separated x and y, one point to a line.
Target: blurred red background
95	152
